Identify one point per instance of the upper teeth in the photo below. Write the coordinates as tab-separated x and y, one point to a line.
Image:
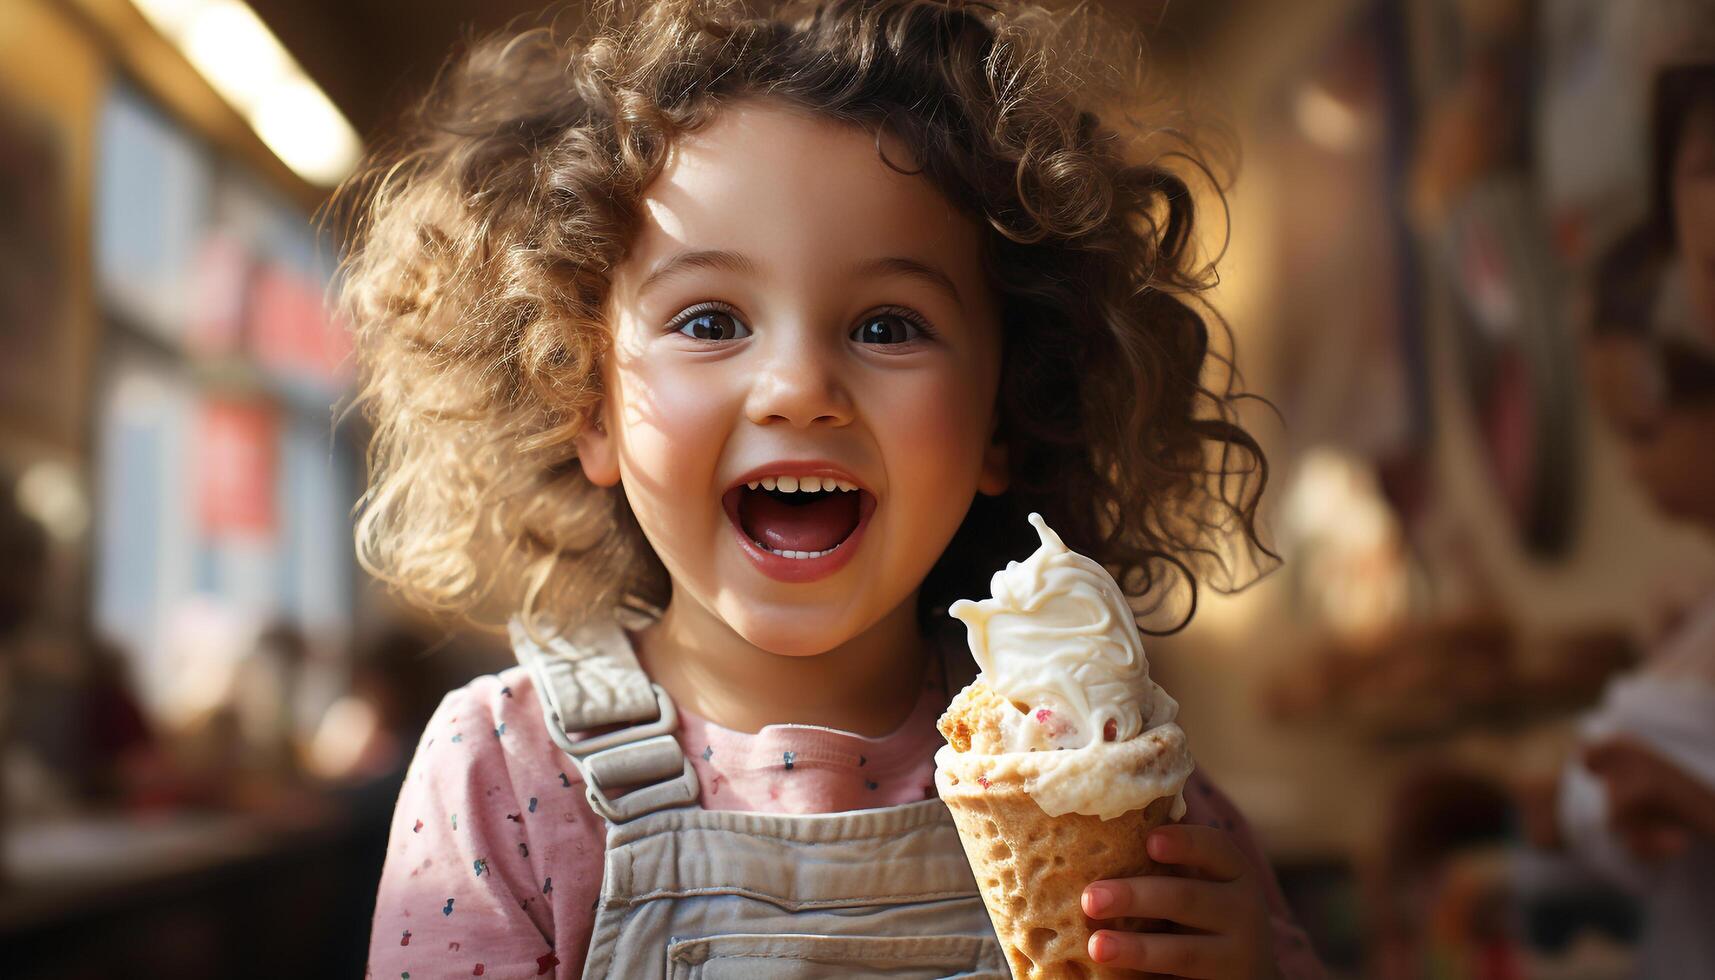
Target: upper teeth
793	484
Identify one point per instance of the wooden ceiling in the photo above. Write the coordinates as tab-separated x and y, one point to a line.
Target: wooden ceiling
373	57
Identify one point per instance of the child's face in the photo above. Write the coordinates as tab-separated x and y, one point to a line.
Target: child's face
1664	444
810	357
1694	207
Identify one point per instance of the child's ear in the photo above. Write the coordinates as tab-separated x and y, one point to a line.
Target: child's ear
596	453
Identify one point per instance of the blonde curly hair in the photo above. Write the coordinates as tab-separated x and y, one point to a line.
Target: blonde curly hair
479	248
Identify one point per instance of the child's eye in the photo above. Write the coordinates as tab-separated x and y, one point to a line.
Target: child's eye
715	321
895	327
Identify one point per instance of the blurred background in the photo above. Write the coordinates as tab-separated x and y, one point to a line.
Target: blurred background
1468	259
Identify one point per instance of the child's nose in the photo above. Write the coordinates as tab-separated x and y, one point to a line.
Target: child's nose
799	383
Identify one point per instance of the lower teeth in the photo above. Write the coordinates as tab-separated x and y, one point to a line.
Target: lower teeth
794	554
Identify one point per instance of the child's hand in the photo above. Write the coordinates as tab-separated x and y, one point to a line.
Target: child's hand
1653	805
1211	893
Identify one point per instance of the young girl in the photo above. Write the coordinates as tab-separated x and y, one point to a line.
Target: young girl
1635	802
718	352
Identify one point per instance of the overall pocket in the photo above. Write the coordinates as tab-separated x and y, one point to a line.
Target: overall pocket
791	956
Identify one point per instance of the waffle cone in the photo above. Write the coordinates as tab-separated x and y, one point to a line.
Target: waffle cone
1032	868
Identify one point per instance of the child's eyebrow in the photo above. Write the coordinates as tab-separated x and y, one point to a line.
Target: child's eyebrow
899	265
701	258
729	261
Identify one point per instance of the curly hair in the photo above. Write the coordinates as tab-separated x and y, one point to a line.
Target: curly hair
480	245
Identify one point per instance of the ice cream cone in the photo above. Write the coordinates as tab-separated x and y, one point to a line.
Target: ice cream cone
1032	869
1061	756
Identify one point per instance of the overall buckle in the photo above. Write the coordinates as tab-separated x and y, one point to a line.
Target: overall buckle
646	756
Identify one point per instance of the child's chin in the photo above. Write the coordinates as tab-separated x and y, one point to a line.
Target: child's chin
791	633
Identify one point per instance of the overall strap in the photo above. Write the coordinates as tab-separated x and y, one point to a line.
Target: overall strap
589	678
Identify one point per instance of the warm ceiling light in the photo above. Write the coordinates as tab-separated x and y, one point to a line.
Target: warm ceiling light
230	46
234	50
300	125
169	16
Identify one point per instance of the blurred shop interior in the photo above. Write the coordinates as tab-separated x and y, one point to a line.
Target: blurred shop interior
1439	267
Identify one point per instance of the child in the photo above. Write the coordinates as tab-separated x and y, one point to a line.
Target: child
1636	801
719	352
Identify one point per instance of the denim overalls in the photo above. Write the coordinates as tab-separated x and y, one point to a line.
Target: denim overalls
713	894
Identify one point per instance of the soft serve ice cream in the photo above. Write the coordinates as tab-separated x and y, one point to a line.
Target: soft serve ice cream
1064	705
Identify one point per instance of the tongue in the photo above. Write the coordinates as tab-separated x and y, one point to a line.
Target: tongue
816	525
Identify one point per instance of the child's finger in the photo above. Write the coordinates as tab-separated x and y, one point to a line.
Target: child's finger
1653	842
1618	753
1209	852
1601	756
1160	953
1207	905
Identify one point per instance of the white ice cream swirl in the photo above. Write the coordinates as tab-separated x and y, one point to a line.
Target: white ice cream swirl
1058	634
1058	641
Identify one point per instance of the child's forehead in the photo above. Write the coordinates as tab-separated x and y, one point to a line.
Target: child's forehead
758	120
779	181
761	151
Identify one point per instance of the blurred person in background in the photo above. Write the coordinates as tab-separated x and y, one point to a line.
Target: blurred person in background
125	763
23	558
73	733
41	743
23	562
367	733
242	742
264	692
1636	803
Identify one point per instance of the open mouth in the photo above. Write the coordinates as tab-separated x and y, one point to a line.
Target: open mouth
798	518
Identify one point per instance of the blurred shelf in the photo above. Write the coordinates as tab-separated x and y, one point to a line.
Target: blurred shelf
73	867
235	373
1430	681
194	894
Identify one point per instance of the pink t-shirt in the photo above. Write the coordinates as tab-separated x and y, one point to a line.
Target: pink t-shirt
494	861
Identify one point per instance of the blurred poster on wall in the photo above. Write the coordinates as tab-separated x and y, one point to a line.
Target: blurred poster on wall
151	214
35	341
146	535
237	469
290	331
221	286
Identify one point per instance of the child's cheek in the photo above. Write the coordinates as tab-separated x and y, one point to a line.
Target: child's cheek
932	430
672	428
